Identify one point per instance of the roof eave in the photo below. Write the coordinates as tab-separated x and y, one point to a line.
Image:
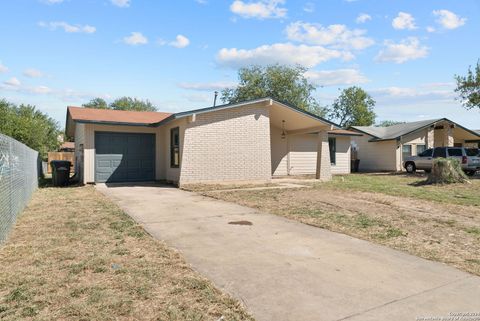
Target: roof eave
101	122
344	134
236	105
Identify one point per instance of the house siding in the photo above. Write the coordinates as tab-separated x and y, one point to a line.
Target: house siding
343	156
225	145
303	154
376	156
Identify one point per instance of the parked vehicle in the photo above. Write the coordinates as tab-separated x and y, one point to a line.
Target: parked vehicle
473	152
468	158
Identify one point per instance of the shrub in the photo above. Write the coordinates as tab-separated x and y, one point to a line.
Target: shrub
446	171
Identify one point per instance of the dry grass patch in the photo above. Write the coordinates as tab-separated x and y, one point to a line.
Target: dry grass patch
437	231
74	255
219	187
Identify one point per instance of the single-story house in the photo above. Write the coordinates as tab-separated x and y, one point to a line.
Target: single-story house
252	140
385	148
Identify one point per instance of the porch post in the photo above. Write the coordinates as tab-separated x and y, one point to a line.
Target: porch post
430	137
324	171
448	139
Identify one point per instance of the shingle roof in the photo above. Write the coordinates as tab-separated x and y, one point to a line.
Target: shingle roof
80	114
395	131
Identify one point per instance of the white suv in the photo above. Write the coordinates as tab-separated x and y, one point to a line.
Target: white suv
469	160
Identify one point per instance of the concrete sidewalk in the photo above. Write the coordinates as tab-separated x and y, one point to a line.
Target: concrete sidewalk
284	270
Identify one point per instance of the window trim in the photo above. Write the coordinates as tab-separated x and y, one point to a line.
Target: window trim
174	148
334	140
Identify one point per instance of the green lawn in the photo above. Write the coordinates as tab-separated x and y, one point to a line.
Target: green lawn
409	186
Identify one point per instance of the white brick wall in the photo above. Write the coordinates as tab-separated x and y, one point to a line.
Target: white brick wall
231	144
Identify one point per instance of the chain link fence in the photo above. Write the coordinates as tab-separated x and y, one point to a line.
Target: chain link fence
18	180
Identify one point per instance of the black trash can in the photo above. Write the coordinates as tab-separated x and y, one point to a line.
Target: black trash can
60	172
355	164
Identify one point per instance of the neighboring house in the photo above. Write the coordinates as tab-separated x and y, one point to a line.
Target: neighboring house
384	148
253	140
67	147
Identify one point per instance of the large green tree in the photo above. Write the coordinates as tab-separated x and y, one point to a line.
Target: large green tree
30	126
388	123
129	103
283	83
354	107
123	103
468	87
98	103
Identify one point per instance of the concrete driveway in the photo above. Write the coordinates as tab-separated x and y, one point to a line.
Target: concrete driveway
284	270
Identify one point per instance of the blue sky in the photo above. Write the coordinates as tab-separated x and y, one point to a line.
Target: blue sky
55	53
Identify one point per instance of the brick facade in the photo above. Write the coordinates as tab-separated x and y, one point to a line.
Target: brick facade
225	145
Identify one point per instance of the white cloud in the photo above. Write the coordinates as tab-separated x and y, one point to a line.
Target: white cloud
121	3
3	68
201	1
407	49
363	17
337	36
180	42
40	90
336	77
33	73
135	39
282	53
52	1
263	9
309	7
413	95
199	97
13	82
430	29
207	86
404	20
66	95
448	19
54	25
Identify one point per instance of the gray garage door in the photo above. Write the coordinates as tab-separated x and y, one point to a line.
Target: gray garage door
124	157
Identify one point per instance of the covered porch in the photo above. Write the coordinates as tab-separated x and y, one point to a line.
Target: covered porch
449	134
300	143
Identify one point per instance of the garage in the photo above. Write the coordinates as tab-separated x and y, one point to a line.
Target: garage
124	157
